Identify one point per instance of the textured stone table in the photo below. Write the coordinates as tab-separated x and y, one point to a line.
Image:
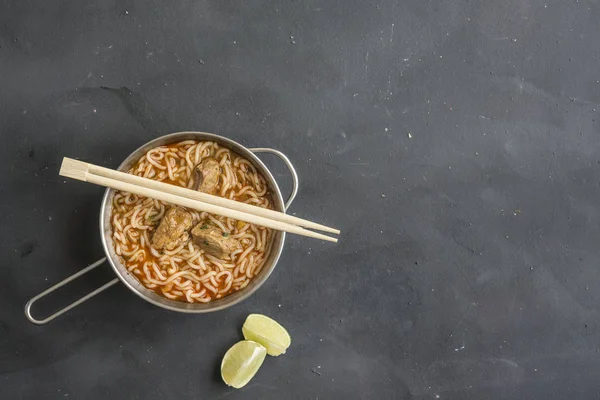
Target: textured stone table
456	144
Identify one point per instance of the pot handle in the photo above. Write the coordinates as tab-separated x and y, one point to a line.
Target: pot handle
288	164
61	284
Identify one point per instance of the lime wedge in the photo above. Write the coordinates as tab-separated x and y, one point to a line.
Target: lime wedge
241	362
267	332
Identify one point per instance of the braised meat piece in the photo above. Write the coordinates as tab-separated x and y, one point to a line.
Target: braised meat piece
172	230
213	240
206	175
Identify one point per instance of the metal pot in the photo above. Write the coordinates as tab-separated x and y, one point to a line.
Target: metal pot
136	286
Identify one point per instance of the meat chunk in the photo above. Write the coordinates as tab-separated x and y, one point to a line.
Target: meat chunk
172	230
213	240
206	175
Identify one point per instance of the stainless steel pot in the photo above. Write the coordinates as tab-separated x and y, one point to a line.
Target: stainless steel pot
131	282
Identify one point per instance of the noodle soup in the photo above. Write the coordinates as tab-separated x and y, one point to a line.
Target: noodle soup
184	254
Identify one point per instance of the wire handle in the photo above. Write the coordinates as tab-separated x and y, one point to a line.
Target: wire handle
288	164
61	284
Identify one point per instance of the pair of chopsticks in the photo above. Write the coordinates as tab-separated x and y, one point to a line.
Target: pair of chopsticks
145	187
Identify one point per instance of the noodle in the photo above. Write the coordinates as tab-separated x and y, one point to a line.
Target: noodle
186	272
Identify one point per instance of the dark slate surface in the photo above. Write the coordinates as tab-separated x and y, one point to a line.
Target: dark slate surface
454	143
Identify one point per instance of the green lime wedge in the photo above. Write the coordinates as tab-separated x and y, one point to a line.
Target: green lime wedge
241	362
269	333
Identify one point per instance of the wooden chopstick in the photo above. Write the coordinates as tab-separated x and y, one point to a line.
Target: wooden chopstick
207	198
81	171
